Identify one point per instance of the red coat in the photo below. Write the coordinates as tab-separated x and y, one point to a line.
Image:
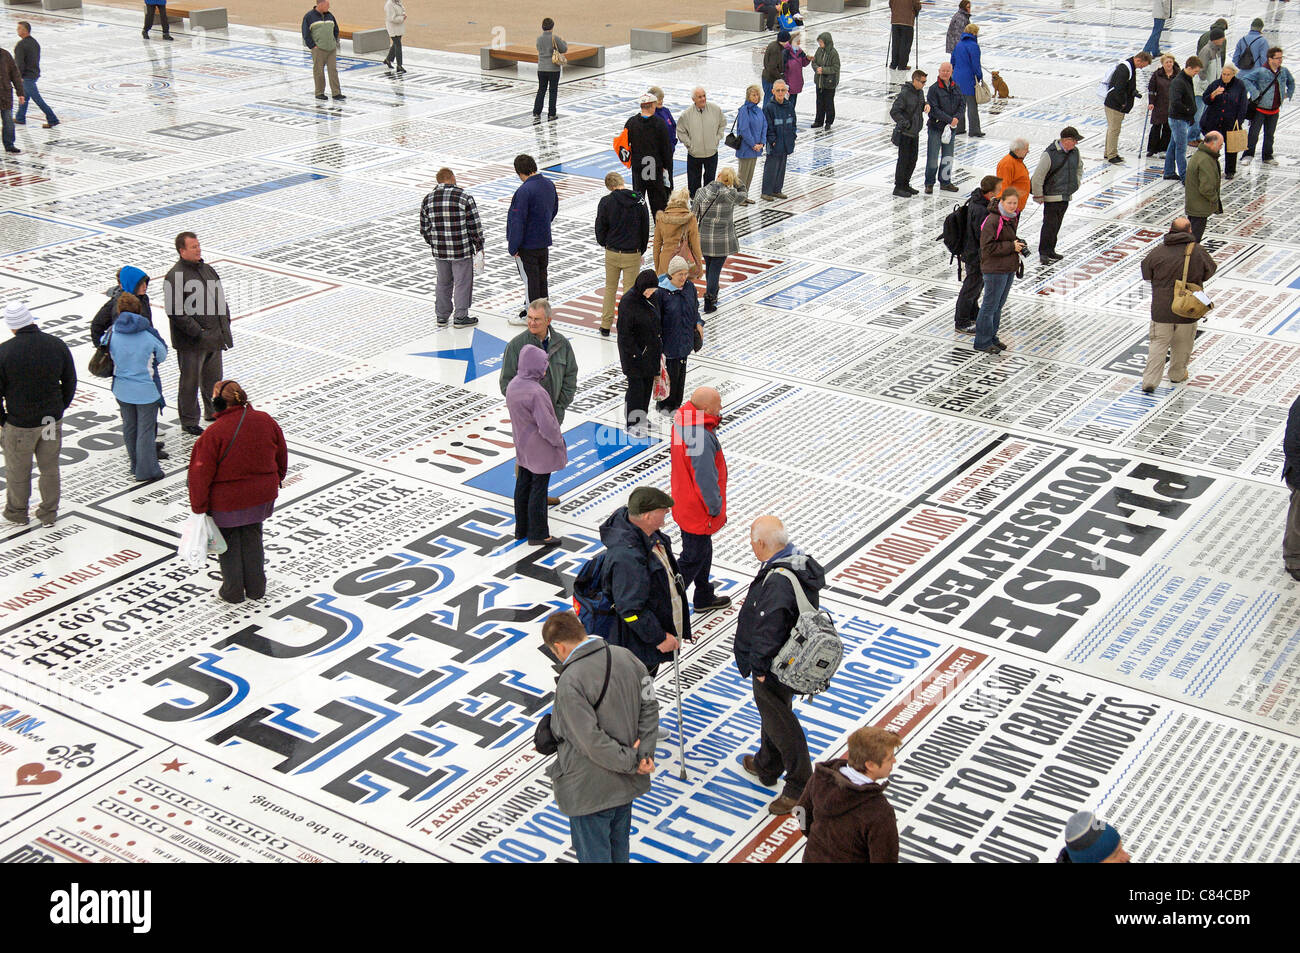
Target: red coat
699	472
251	472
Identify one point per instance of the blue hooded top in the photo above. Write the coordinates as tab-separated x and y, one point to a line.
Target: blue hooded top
137	350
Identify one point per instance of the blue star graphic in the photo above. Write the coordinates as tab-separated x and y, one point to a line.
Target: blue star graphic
482	357
38	575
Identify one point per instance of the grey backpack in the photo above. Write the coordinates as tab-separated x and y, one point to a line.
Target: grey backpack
813	652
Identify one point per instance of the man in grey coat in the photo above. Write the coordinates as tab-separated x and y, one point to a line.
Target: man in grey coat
606	720
200	324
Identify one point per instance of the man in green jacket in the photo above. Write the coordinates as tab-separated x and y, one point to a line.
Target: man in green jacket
1201	188
561	378
320	34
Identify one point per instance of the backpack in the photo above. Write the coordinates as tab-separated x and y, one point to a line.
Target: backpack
1247	59
590	601
813	652
956	226
622	149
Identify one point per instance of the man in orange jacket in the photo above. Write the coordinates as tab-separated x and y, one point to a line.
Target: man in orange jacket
699	481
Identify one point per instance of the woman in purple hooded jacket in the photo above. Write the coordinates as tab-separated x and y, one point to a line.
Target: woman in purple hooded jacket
540	449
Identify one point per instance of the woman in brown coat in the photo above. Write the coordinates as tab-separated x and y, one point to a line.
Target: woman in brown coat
678	233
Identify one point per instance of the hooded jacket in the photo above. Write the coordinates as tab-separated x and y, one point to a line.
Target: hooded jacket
539	444
751	126
1201	188
844	822
560	378
135	347
638	586
651	147
966	67
1163	265
671	224
795	61
595	768
196	307
908	110
622	222
225	476
770	610
38	378
827	58
1211	55
679	313
664	113
640	342
998	254
699	472
780	126
128	278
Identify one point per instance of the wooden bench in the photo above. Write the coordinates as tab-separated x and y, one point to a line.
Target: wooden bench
495	57
207	18
748	20
365	39
661	37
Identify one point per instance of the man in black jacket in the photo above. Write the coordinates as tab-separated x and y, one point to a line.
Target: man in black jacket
1182	116
977	209
641	579
908	113
200	323
766	619
946	103
1120	96
623	230
27	56
37	382
652	153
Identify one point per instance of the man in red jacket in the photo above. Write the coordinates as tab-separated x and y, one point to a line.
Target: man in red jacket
843	810
699	491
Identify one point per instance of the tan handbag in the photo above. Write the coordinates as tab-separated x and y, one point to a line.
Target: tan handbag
982	94
1235	140
1186	304
558	58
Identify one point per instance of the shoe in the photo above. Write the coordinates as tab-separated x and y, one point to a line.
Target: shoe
48	521
1244	156
20	122
768	198
521	320
929	190
168	37
747	762
1171	178
50	125
749	202
443	322
1151	155
192	429
145	34
815	125
828	126
1270	162
998	341
162	454
388	64
1053	255
782	195
1229	176
991	349
466	322
949	187
22	522
903	193
979	135
717	602
782	805
604	332
1293	573
710	305
912	190
1181	380
1044	260
1148	390
552	501
340	96
549	542
13	152
322	97
551	117
964	328
400	71
1115	160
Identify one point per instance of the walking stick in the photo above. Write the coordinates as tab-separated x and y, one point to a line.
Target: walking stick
681	728
916	39
889	45
1146	114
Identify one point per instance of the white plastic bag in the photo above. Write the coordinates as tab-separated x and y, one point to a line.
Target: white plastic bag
478	262
199	539
946	137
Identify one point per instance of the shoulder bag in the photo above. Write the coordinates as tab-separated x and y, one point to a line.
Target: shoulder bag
101	362
1186	304
558	58
544	738
734	141
982	94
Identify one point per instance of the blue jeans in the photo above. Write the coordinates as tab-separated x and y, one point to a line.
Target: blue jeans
712	275
139	431
603	837
34	96
1153	41
1194	132
933	164
767	92
997	285
1176	154
774	172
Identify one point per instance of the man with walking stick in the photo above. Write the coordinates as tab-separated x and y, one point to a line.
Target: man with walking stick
606	721
902	27
766	619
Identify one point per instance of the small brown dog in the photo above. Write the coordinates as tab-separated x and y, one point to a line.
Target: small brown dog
1000	87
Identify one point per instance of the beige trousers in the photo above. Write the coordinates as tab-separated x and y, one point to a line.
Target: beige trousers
617	263
322	60
1175	340
1114	119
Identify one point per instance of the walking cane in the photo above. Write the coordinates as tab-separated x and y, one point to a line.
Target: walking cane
916	39
1146	114
889	45
681	729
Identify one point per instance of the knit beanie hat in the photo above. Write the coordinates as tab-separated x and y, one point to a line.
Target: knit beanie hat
783	36
17	316
1089	839
677	264
1216	34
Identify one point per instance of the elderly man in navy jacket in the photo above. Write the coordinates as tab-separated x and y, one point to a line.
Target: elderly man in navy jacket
528	230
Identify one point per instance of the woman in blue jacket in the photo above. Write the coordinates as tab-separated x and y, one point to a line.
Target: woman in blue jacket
1225	106
679	314
137	350
751	126
965	73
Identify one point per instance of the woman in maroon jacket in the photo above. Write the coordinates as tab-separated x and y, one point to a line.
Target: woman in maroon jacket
236	469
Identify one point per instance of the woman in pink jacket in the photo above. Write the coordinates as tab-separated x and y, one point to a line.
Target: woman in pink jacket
795	61
540	449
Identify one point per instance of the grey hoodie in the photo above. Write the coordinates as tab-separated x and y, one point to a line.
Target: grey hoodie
596	766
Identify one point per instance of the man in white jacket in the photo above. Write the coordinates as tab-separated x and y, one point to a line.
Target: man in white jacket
395	15
700	128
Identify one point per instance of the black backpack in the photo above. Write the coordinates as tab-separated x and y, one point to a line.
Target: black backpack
955	228
1247	59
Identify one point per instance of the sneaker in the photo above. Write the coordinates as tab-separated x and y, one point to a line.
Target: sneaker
13	152
551	117
1044	260
782	195
768	198
991	349
521	320
1270	162
717	602
443	322
1148	390
1171	178
340	96
949	187
1115	160
48	521
400	71
929	190
903	193
747	762
782	805
1245	155
964	328
49	125
466	322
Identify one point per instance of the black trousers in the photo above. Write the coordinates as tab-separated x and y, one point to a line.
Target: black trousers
1260	121
825	108
535	262
636	404
900	40
530	505
676	384
148	18
243	573
394	52
907	147
782	749
700	172
1158	137
769	15
199	373
968	299
695	563
656	194
1198	225
546	81
1053	213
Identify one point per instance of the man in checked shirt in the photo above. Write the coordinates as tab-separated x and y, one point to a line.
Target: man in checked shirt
450	224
